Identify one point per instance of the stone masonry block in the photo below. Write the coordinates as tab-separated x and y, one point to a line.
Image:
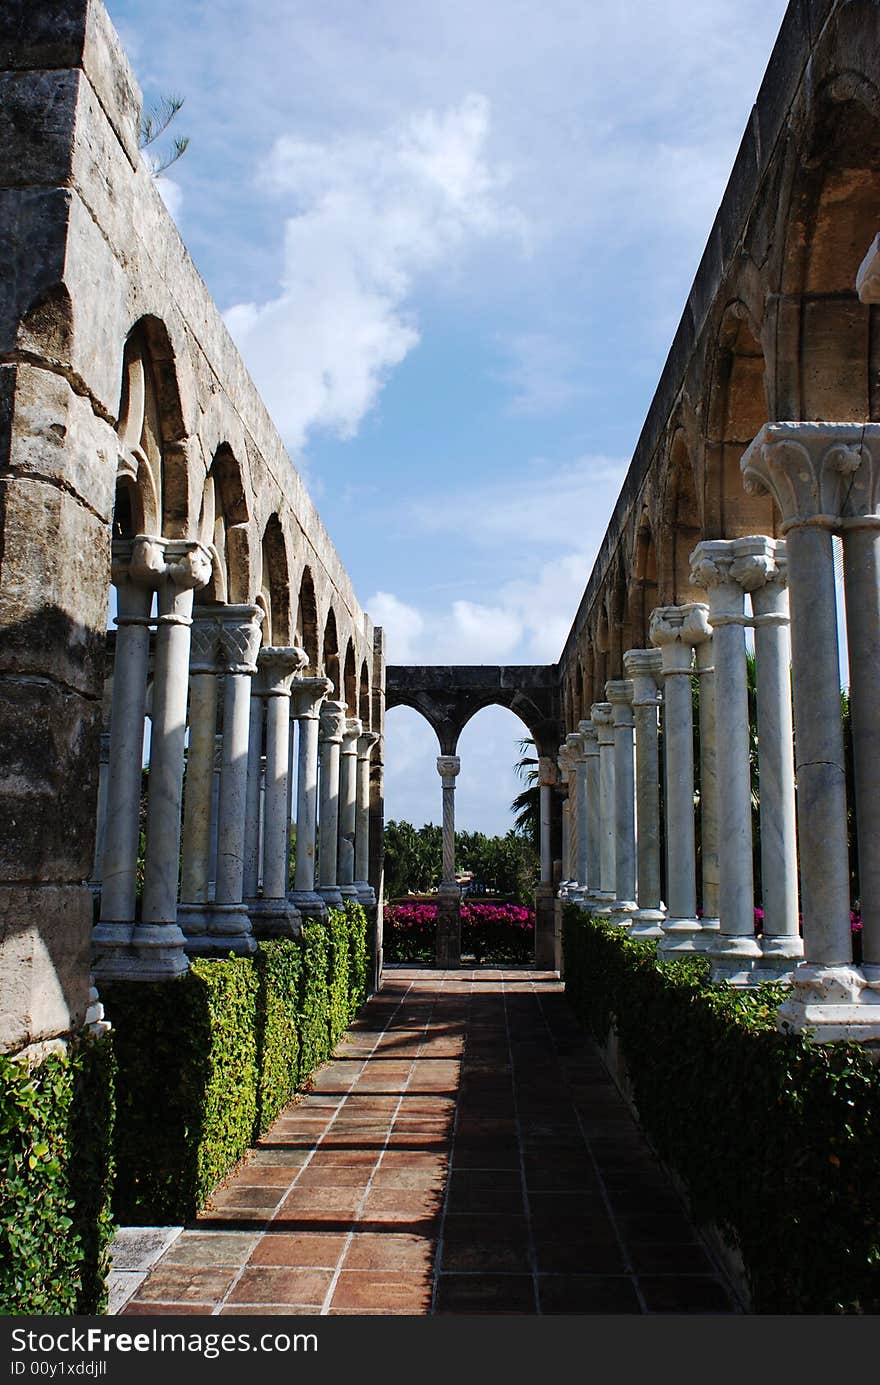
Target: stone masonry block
44	961
37	114
54	585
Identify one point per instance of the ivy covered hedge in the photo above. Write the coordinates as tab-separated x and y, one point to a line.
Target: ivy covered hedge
777	1140
56	1126
205	1063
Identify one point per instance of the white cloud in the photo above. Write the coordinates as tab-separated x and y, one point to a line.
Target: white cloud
370	215
171	194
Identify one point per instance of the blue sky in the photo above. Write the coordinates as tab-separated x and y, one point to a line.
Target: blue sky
453	241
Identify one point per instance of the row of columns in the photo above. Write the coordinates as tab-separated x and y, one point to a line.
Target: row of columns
232	856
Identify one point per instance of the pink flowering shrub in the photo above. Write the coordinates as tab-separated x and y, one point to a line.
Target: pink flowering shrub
489	932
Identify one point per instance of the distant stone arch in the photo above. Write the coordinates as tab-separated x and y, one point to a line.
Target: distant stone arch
274	594
330	653
448	696
307	622
680	528
349	680
364	699
736	409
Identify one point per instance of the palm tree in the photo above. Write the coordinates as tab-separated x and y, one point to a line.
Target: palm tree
526	807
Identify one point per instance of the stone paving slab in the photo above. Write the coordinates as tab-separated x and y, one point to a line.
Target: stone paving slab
465	1152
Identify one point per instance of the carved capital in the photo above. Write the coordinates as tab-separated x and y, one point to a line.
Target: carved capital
547	770
589	738
365	744
332	723
760	562
278	665
823	474
676	631
619	692
239	637
574	742
204	648
306	696
602	717
353	730
187	564
644	667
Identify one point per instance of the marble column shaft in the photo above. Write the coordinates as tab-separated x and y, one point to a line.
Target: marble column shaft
278	667
366	893
593	820
307	695
332	727
546	782
254	793
676	630
709	786
714	567
199	780
620	694
861	561
348	807
602	717
159	941
644	669
582	859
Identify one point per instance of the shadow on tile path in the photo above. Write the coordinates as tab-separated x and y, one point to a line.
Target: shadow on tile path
464	1152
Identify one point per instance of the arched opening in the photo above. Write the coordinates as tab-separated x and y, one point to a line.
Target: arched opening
152	456
681	527
737	409
274	593
330	653
644	588
829	356
307	622
363	710
350	685
223	529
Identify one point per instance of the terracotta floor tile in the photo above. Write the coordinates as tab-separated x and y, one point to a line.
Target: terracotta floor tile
298	1250
319	1175
580	1293
389	1252
136	1308
341	1199
289	1285
386	1290
266	1175
186	1283
211	1248
485	1293
684	1294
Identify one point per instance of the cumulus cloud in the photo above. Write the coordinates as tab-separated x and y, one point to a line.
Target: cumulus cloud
171	194
370	215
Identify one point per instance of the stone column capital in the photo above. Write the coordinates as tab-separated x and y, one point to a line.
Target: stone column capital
239	637
366	741
352	731
448	767
644	667
546	771
619	692
204	649
306	696
277	666
589	738
574	742
676	631
825	475
602	717
332	722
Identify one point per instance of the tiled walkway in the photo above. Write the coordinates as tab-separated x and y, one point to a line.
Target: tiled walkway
466	1152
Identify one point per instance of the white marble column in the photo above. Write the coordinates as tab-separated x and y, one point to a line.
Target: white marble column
564	786
254	790
195	872
815	473
735	950
602	717
101	814
590	737
581	847
644	669
348	808
676	630
546	783
306	697
366	893
763	571
273	915
134	576
332	727
157	938
448	940
709	795
620	694
229	925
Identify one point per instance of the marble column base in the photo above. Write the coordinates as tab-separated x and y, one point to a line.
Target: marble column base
331	896
161	951
194	920
114	957
366	895
683	935
309	903
786	947
829	1003
621	912
350	892
647	923
274	918
229	930
447	945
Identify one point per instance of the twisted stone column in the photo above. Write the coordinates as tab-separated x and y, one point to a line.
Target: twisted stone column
366	894
198	816
735	950
332	727
762	570
133	571
448	941
823	478
306	697
158	939
644	669
676	630
229	924
602	717
273	915
620	694
348	808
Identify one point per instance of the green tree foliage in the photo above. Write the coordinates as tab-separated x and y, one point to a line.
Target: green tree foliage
413	859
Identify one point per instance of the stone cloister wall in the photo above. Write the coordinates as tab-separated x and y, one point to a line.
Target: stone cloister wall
755	469
140	476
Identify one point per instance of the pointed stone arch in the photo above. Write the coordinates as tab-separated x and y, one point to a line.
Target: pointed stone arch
349	680
681	529
644	587
363	707
152	469
224	529
330	654
307	622
736	409
274	593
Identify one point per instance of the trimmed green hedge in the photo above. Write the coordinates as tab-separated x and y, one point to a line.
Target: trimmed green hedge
56	1126
777	1140
207	1062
